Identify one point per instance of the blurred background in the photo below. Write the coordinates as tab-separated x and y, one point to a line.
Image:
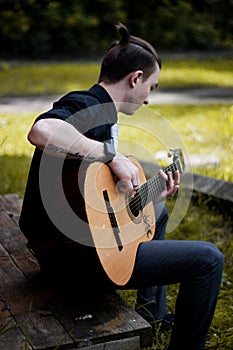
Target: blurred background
83	28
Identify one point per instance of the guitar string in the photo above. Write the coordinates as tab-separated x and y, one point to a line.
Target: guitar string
157	185
148	191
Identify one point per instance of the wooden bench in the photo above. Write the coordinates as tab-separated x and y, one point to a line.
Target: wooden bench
35	317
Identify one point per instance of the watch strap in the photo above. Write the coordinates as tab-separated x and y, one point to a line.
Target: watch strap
109	151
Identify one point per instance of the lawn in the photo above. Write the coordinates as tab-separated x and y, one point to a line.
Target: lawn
41	78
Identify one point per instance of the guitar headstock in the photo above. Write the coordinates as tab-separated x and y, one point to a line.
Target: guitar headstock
178	159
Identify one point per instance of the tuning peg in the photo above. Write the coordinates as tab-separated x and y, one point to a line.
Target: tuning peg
170	153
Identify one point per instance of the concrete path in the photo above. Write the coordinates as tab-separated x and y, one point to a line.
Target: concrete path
193	96
39	104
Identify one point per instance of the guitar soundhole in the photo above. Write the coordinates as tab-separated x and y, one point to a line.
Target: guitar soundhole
135	205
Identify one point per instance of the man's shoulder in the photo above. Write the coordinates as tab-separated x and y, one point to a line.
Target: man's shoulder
81	95
95	95
78	100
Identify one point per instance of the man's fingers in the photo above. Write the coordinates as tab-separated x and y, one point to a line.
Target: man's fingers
135	182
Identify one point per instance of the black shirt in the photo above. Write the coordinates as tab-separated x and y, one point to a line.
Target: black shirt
53	206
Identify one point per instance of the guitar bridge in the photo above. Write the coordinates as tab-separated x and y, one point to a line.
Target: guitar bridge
113	220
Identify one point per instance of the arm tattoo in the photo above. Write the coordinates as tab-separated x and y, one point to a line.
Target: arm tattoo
62	151
56	149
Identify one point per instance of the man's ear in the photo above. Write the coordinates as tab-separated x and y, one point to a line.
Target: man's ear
134	77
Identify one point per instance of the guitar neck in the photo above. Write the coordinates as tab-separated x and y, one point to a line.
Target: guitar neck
156	185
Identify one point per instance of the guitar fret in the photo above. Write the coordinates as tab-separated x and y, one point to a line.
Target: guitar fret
154	186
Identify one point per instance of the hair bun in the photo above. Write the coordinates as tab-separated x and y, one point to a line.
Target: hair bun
125	36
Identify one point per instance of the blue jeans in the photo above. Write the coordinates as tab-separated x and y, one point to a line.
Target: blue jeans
197	266
151	301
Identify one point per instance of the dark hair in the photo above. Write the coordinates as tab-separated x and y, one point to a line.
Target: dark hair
127	55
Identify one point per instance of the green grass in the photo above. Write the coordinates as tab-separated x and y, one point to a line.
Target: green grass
15	152
46	78
41	78
197	72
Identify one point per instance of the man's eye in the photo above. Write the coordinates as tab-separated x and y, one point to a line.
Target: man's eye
153	87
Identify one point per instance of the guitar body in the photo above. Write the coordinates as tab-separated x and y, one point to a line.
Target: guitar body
117	227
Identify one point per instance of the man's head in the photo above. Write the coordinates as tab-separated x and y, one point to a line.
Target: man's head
129	71
129	54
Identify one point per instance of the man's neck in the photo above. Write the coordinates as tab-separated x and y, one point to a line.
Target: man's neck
116	92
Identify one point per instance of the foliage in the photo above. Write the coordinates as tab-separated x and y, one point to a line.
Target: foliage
45	28
180	24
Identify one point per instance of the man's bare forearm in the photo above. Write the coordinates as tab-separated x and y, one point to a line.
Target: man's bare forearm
61	139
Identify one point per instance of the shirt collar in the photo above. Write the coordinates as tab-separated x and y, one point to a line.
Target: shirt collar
104	97
101	93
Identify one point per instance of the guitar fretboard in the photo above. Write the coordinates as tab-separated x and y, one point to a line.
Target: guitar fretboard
155	186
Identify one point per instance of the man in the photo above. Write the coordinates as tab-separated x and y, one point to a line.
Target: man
81	129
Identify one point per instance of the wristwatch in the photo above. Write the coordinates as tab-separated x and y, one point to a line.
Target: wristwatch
109	151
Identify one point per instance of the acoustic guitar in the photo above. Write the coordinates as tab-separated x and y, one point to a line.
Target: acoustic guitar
118	222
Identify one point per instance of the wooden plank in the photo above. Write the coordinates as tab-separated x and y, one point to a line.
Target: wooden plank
50	318
15	244
10	235
11	337
216	188
43	328
11	203
30	312
90	321
102	319
123	344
